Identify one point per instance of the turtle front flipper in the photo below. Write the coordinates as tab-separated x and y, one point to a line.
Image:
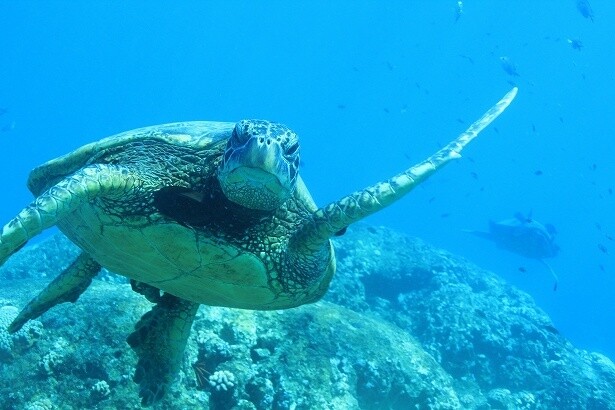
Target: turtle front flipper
67	287
327	221
63	198
159	341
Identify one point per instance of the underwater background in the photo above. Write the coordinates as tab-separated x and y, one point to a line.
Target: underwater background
371	88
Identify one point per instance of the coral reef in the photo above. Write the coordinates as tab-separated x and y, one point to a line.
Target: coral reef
404	325
11	344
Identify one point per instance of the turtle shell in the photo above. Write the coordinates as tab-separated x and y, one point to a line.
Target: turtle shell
195	134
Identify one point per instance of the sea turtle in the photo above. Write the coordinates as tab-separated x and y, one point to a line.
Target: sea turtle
197	213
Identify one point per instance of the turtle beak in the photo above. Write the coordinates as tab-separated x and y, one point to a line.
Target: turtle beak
256	175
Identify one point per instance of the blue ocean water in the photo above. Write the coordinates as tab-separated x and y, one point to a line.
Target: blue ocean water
371	87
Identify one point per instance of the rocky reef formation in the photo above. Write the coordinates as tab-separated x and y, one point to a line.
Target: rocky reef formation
403	326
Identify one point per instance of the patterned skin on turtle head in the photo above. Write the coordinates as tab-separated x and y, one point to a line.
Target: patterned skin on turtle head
260	165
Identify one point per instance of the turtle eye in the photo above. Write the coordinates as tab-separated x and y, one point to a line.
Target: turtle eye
241	133
290	151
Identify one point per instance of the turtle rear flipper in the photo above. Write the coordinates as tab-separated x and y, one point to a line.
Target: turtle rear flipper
61	199
67	287
159	341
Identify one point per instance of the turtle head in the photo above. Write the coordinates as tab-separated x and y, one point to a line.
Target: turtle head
260	164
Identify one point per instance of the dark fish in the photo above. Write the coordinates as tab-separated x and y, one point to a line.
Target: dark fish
474	175
3	111
603	248
575	43
445	215
585	9
524	236
538	172
522	269
465	57
508	66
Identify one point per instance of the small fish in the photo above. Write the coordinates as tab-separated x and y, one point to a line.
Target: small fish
609	237
445	215
522	269
474	175
3	111
575	43
538	172
341	106
508	66
603	248
465	57
458	10
593	167
585	9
